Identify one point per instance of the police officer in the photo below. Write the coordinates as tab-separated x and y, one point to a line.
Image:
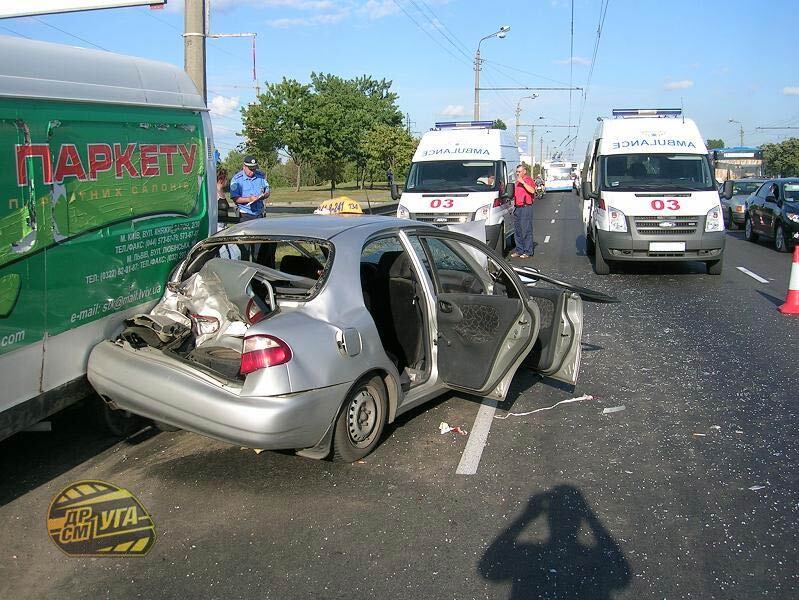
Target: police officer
249	189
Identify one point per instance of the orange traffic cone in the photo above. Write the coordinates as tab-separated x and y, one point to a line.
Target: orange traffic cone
791	306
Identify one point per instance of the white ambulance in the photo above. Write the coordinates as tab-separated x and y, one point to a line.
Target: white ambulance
463	172
649	193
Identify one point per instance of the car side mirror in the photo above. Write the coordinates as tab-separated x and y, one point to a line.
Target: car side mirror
727	189
587	192
395	195
507	193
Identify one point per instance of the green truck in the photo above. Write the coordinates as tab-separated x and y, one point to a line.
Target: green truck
107	180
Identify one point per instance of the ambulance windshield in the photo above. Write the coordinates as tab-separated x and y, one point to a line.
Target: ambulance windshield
454	176
667	172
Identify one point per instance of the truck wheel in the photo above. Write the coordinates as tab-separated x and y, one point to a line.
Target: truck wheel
601	267
714	266
119	423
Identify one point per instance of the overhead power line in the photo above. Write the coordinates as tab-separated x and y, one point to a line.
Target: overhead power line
77	37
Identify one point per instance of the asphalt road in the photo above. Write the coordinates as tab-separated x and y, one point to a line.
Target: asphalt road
687	490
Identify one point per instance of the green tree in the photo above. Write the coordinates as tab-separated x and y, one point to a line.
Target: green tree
280	121
499	124
782	159
712	144
388	147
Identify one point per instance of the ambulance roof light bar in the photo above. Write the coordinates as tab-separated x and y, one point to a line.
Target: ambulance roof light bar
464	124
646	112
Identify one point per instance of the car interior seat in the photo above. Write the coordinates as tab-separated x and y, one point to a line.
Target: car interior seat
406	310
305	266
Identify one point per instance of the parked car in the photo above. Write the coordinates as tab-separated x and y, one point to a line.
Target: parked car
773	211
341	325
734	209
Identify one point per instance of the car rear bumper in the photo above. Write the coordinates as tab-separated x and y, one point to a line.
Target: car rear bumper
630	247
149	383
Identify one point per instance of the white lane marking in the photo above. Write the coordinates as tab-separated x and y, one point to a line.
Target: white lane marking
552	221
546	240
754	276
477	438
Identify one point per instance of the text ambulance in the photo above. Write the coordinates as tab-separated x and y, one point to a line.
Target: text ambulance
649	192
463	172
108	162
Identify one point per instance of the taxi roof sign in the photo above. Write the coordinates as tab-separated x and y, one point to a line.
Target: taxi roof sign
344	205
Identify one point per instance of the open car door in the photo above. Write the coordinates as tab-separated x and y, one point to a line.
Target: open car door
485	325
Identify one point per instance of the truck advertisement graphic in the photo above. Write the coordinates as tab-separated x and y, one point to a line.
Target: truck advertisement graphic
94	213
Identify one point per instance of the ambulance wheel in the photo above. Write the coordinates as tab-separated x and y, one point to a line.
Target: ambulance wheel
500	245
601	266
714	266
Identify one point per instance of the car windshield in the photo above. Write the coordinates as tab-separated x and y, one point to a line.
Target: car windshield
559	173
668	172
791	192
454	176
745	187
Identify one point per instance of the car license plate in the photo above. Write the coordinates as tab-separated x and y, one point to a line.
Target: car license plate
667	246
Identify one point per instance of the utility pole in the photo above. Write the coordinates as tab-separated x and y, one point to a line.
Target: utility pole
194	44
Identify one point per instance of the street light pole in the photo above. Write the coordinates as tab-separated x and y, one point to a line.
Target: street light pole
501	33
519	112
740	131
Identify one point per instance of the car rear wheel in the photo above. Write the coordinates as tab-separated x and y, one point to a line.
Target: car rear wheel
779	239
361	420
750	235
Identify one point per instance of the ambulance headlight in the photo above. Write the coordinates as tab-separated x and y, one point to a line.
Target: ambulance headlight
481	214
617	220
402	212
714	221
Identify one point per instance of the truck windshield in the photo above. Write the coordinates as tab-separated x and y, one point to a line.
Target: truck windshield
668	172
454	176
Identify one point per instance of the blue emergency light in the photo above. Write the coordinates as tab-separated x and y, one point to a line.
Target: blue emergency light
464	124
646	112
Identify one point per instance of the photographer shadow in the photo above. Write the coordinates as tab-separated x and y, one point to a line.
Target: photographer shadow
578	560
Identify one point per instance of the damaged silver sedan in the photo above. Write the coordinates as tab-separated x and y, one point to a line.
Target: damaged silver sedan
331	329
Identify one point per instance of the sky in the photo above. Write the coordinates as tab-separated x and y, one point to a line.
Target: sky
721	61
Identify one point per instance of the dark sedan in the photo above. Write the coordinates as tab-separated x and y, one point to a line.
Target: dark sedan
773	212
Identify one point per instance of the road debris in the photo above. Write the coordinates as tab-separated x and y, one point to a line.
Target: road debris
613	409
445	428
716	427
524	414
755	488
700	435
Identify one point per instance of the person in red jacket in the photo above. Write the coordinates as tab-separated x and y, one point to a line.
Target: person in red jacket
523	198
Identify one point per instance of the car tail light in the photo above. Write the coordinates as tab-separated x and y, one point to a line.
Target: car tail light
262	351
203	325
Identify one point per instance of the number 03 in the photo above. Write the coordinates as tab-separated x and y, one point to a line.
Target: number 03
663	204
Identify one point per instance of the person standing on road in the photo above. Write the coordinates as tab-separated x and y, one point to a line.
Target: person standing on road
523	198
249	189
